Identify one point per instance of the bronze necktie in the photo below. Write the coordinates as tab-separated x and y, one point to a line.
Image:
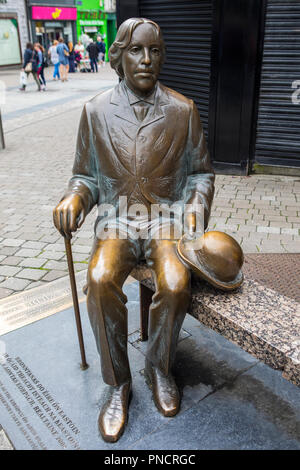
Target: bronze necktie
140	110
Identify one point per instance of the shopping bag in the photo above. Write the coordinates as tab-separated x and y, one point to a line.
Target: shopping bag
23	78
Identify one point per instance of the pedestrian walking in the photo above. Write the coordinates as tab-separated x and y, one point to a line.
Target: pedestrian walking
30	65
71	58
101	51
92	50
54	59
79	54
42	63
63	55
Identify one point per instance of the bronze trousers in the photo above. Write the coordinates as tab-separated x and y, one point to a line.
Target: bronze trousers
111	262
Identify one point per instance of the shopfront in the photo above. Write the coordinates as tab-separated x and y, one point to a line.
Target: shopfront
94	20
91	23
52	22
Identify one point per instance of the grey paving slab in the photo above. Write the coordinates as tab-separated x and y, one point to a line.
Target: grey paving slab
31	274
9	270
12	260
4	292
33	262
14	284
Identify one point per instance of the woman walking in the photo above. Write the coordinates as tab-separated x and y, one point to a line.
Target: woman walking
63	54
79	54
30	65
71	58
54	59
41	54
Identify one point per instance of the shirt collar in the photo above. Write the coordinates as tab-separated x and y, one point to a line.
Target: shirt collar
134	99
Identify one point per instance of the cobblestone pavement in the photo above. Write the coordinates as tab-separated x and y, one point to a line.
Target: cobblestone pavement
260	212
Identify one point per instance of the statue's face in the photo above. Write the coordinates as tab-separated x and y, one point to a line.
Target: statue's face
141	60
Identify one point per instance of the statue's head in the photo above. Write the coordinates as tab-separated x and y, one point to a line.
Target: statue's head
138	53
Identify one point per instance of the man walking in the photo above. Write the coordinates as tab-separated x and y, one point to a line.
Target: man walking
93	55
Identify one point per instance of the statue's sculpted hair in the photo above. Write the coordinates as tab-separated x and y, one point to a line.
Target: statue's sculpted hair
123	39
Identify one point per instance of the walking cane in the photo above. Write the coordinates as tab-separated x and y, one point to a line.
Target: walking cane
84	365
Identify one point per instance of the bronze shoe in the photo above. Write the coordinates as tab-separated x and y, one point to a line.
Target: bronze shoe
114	412
164	390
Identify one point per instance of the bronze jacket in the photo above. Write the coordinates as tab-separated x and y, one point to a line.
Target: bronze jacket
163	159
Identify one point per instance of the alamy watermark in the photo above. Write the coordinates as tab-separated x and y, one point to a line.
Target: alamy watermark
2	352
156	221
296	93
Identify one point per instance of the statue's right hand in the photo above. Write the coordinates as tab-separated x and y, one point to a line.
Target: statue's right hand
69	215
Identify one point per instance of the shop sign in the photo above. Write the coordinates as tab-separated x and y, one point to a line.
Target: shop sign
91	15
54	13
91	22
91	29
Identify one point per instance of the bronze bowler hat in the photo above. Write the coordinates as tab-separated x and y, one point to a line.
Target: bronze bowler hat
215	257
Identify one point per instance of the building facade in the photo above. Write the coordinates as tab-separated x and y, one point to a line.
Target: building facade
51	20
97	17
240	62
13	31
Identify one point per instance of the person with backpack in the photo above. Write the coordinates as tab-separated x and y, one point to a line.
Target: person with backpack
54	59
30	65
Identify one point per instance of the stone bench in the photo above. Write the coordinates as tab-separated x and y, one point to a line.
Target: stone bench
259	319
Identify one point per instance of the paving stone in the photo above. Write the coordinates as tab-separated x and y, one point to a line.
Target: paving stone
8	250
34	236
12	260
290	231
55	247
35	284
55	255
80	266
292	247
14	284
34	245
5	292
58	265
50	238
32	263
81	248
9	270
32	274
2	257
54	274
12	242
268	229
28	252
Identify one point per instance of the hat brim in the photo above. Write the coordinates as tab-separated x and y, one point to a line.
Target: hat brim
200	270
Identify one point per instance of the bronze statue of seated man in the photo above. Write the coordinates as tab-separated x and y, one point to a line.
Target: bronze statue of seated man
143	141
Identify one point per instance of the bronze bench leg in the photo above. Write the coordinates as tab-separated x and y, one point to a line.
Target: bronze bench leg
145	301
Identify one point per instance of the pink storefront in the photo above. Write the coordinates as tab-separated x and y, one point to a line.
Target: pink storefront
51	22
